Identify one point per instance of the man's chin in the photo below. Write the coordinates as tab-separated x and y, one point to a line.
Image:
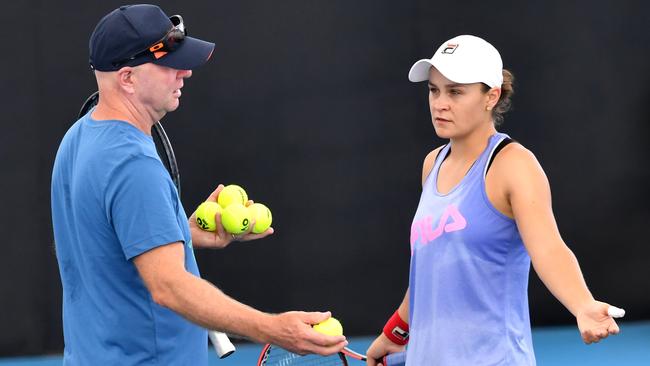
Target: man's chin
173	105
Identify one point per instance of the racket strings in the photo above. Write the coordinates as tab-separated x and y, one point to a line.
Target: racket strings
280	357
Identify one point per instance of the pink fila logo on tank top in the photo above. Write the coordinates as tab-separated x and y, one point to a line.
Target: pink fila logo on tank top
451	220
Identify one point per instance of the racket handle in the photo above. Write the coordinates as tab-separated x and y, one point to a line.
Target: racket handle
222	345
395	359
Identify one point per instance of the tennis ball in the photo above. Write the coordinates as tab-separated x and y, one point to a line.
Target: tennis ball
235	218
330	326
262	216
205	215
232	194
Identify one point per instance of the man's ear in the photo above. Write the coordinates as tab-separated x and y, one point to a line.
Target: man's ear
125	79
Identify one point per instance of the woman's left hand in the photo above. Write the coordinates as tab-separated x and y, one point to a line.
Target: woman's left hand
595	323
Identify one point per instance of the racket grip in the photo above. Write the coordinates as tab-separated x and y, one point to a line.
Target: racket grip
395	359
222	345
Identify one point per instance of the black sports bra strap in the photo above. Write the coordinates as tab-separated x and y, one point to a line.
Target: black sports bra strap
501	145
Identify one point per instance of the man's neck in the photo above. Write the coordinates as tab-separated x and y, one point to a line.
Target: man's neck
124	110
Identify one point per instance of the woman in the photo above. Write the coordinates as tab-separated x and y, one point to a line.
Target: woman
484	214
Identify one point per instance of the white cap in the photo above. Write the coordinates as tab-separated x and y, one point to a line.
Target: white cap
463	59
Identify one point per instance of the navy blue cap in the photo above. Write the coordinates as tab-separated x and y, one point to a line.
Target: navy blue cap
131	29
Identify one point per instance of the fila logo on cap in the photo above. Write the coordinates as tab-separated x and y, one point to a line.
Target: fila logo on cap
451	47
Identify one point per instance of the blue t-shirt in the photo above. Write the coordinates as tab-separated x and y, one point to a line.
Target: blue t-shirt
112	200
469	276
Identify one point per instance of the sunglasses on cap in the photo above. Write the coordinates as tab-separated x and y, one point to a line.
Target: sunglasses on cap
168	43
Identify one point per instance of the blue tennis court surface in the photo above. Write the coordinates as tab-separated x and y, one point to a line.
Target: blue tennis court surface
554	346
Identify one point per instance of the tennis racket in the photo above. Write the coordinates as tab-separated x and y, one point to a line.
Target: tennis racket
276	356
222	345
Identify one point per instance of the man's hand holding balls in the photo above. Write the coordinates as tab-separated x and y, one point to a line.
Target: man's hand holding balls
227	215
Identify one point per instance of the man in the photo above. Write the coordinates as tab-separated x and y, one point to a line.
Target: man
132	294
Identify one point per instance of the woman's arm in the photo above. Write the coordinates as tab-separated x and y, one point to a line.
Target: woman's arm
529	194
382	346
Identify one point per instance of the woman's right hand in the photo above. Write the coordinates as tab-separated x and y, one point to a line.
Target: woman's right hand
379	348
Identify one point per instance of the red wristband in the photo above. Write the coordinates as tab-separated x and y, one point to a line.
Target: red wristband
397	330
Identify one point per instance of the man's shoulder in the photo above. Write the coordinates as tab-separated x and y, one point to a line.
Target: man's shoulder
98	150
114	141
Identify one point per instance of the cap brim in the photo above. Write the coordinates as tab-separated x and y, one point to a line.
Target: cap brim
192	53
420	70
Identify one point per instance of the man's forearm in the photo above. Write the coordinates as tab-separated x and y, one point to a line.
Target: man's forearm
204	304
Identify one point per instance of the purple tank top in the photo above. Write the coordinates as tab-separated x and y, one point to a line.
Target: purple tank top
468	277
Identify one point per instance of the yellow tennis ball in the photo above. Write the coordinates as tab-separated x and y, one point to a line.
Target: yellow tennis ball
205	215
235	218
262	217
232	194
330	326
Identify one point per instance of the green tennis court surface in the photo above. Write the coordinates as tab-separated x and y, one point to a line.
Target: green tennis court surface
554	346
